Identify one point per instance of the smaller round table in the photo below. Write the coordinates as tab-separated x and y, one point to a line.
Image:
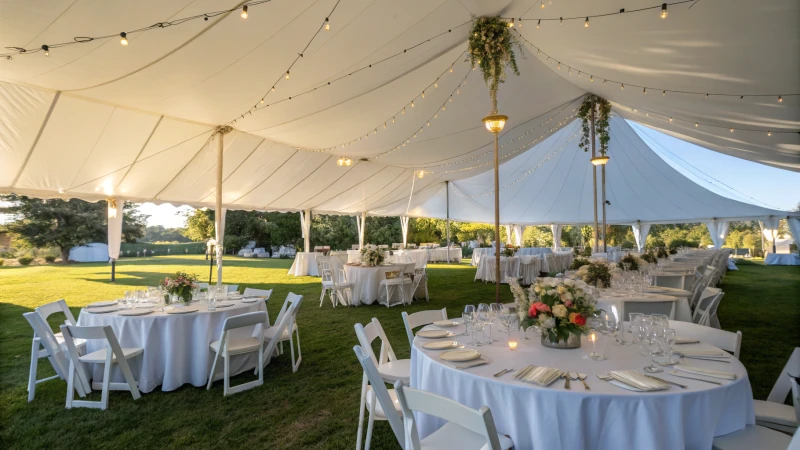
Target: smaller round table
305	263
366	280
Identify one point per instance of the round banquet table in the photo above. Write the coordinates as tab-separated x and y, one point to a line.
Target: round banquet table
782	259
605	417
305	263
176	346
366	280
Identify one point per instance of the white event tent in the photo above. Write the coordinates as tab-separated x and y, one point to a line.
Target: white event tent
388	88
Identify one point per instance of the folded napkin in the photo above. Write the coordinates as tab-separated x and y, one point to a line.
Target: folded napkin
703	353
680	341
706	372
543	376
637	380
467	364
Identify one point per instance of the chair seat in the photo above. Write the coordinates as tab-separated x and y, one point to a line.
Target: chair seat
343	285
774	413
379	413
327	284
238	345
455	436
395	281
78	342
399	369
99	356
270	332
753	437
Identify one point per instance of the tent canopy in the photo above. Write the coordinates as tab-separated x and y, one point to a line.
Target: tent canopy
99	119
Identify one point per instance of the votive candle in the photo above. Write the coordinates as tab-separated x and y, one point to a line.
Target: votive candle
512	344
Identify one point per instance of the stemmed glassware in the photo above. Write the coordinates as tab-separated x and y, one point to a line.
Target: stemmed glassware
494	310
128	299
484	319
469	311
653	338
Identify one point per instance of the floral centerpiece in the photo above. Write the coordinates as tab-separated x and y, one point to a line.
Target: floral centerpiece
632	262
509	251
371	256
596	273
181	284
491	47
557	307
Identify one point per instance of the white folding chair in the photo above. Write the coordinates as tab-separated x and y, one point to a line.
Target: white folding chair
773	413
250	292
283	323
231	288
707	307
390	286
666	307
109	355
390	368
228	346
289	311
467	428
753	437
45	344
337	287
372	389
726	340
421	318
420	282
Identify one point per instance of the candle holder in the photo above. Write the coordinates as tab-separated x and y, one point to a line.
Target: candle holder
594	355
512	343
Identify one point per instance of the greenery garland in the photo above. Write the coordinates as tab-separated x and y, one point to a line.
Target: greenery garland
491	48
603	107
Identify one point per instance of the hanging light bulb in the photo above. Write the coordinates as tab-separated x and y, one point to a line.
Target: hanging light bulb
451	69
561	21
287	74
244	12
384	125
348	162
591	77
436	84
731	130
586	24
520	22
769	133
780	99
327	24
46	50
340	161
420	173
670	119
538	23
542	4
663	11
423	94
403	112
559	66
644	90
392	119
696	124
511	23
273	88
123	38
621	86
663	93
262	101
412	103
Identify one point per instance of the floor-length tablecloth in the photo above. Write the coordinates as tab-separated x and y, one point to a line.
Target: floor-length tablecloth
509	268
440	254
525	251
682	310
605	417
782	259
418	257
175	346
305	263
366	281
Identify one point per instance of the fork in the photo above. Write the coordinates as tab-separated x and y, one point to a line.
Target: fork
577	376
565	375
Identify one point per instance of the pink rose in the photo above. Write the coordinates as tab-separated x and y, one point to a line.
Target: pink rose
568	303
537	308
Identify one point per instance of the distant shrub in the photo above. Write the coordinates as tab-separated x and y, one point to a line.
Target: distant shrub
50	259
627	245
650	257
25	260
577	263
675	243
2	261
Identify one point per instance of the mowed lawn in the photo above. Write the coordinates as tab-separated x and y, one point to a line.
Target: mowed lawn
317	407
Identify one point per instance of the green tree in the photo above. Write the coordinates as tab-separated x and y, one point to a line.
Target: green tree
426	230
200	225
383	230
339	232
158	233
473	231
134	223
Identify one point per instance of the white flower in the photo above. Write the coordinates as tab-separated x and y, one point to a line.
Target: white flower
560	311
561	289
551	292
537	288
546	321
567	296
569	282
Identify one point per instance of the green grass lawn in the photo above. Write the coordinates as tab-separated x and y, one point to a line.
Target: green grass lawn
317	407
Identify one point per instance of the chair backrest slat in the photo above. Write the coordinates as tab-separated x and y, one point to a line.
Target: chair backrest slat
44	333
58	306
725	340
366	334
380	392
244	320
782	386
257	292
421	318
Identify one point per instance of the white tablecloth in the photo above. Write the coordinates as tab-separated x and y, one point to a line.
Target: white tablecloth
366	281
440	254
782	259
605	417
418	257
305	264
509	267
559	262
682	310
525	251
175	346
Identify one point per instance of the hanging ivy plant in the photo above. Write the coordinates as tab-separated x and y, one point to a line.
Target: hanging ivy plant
491	48
603	109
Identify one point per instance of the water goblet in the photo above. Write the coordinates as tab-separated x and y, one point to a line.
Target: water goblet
654	336
608	326
128	299
485	317
469	310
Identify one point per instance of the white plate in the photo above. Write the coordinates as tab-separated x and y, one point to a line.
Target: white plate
135	312
250	300
144	305
433	334
182	310
460	355
101	304
103	310
445	323
225	304
440	345
624	386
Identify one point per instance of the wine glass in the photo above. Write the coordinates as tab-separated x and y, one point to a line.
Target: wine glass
653	338
608	326
469	311
128	299
485	319
494	310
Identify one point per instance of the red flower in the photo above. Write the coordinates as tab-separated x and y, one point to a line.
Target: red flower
537	308
579	320
532	312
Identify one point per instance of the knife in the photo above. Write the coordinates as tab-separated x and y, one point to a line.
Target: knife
666	381
693	378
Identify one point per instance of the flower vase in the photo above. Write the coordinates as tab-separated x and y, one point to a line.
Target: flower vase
573	341
186	297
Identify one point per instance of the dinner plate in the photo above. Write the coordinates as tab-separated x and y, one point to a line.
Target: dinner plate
250	300
103	310
433	334
225	304
440	345
445	323
144	305
182	310
460	355
135	312
101	304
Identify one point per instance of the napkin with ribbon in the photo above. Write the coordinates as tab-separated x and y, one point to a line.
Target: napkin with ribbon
706	372
637	380
543	376
467	364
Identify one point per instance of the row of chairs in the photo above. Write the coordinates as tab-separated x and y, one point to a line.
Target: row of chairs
469	428
66	350
392	289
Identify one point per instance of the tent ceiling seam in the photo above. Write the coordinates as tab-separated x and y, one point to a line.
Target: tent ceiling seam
237	168
36	140
310	175
141	150
94	146
355	186
208	141
267	178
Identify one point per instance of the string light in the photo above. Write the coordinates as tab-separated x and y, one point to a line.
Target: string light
663	10
644	90
542	4
769	133
586	24
244	12
46	50
511	23
420	173
671	119
780	99
327	24
287	74
621	86
123	38
538	23
412	103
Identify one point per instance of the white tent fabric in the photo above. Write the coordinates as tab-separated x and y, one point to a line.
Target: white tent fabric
552	183
518	230
97	120
115	217
556	236
718	230
794	227
640	232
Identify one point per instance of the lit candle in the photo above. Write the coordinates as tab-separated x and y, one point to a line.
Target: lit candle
512	344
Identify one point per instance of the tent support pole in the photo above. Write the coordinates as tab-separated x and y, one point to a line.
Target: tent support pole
594	184
218	212
603	176
447	199
496	219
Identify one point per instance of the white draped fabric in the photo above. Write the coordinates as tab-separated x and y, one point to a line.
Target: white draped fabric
640	232
175	345
508	235
606	417
404	228
115	216
769	229
219	230
719	231
794	228
518	230
305	264
556	229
